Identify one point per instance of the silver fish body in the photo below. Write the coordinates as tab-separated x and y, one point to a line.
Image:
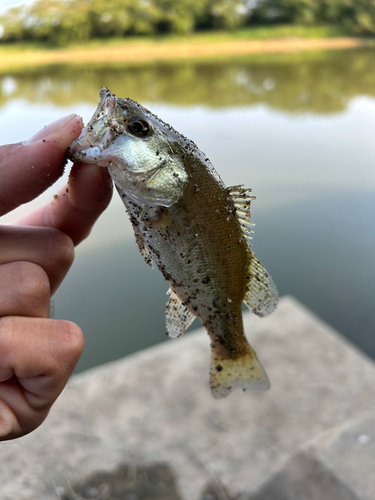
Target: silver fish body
191	225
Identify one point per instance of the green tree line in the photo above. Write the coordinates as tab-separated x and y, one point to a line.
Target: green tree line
62	21
59	22
355	15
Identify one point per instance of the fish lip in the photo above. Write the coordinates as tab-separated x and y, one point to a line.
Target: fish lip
107	104
96	136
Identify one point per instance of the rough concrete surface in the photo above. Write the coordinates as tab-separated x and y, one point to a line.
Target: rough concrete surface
338	464
146	427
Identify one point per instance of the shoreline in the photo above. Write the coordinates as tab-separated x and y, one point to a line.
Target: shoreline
149	51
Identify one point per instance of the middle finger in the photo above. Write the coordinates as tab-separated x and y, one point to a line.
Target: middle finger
24	290
47	247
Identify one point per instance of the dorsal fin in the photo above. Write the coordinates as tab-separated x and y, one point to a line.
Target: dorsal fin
242	202
261	293
177	315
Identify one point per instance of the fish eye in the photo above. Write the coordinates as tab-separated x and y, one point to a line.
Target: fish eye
139	127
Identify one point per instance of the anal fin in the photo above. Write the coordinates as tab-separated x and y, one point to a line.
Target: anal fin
261	293
178	316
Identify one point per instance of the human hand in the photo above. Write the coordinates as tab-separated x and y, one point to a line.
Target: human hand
38	354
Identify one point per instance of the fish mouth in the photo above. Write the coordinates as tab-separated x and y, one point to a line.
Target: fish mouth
100	132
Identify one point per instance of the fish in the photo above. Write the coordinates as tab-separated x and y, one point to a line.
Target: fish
194	228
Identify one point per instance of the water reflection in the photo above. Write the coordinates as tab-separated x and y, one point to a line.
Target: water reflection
318	83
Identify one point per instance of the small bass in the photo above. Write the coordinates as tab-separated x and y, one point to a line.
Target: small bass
193	227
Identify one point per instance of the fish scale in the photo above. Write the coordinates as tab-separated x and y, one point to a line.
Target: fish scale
193	227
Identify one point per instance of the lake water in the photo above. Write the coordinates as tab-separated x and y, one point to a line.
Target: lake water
298	129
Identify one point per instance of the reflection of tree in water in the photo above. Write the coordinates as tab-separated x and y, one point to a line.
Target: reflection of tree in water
308	82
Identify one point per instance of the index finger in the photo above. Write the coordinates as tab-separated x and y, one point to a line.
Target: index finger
29	168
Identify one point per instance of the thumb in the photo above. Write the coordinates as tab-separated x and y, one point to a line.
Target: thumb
29	168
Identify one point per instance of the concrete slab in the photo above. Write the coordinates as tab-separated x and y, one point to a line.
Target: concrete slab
338	464
150	420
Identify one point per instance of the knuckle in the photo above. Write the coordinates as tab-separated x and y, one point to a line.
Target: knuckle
28	289
69	343
60	248
34	286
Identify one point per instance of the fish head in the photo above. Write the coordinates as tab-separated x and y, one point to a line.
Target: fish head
144	155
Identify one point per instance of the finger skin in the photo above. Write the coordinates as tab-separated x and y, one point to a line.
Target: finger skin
49	248
39	356
24	290
77	206
26	170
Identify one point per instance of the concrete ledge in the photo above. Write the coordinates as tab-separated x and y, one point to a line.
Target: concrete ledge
338	464
147	425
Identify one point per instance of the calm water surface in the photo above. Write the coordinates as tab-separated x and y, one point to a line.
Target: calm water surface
298	129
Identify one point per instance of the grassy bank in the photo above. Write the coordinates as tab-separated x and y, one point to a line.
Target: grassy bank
201	45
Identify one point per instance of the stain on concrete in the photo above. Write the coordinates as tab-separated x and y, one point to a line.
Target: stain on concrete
132	482
128	482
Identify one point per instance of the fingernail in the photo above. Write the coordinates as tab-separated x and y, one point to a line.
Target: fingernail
51	129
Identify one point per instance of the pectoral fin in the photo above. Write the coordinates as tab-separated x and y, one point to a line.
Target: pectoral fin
143	248
261	293
178	316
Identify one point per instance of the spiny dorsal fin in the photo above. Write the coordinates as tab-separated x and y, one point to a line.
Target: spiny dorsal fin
261	293
242	201
178	316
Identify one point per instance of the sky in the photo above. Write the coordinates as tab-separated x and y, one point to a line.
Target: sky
6	4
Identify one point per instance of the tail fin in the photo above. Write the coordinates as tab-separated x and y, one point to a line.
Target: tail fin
244	371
